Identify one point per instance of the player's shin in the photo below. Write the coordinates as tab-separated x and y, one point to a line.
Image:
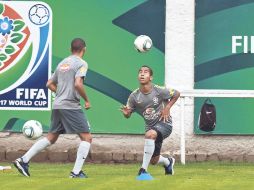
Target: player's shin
82	153
148	152
35	149
163	160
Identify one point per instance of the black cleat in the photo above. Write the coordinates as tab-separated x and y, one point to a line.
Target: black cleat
81	174
22	167
141	171
169	170
143	175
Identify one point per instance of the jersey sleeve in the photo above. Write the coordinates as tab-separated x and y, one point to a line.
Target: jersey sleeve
81	71
166	93
131	103
54	77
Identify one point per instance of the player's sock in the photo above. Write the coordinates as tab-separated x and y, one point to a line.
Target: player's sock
35	149
148	152
163	160
82	153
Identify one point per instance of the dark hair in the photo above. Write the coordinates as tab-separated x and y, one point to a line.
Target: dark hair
77	45
149	68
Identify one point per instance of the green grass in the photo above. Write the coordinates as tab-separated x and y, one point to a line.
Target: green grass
208	176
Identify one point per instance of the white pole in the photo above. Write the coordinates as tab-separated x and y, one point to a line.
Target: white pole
182	148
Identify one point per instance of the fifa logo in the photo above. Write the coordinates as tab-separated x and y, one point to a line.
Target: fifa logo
25	51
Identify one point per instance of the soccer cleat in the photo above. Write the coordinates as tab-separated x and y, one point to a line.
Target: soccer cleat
22	167
141	170
143	175
81	174
169	170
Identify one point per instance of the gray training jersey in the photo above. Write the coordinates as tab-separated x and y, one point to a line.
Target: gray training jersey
64	77
150	105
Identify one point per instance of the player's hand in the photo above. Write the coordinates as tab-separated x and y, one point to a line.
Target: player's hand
125	110
165	113
87	105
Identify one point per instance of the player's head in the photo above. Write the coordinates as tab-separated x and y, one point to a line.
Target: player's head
78	46
145	74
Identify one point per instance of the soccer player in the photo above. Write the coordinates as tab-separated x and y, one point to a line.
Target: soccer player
154	104
67	115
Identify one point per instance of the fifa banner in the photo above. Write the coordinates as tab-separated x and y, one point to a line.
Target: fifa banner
25	54
109	28
224	59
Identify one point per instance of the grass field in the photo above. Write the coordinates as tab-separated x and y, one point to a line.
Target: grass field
208	176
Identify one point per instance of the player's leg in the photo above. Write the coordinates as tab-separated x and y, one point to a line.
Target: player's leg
39	146
22	163
157	158
168	163
149	146
83	150
75	122
163	131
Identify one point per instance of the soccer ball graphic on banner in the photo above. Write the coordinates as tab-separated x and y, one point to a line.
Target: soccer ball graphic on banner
32	129
143	43
39	14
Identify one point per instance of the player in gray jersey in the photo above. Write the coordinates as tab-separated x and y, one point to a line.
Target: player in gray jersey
153	103
67	115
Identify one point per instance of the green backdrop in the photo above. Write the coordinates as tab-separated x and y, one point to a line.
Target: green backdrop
216	67
109	28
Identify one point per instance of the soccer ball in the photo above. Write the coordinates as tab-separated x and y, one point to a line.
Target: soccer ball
143	43
32	129
39	14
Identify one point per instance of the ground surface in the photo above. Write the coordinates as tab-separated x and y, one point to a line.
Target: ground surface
209	176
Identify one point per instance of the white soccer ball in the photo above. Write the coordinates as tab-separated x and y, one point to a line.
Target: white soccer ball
32	129
143	43
39	14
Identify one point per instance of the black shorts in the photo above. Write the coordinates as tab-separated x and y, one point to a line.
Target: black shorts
65	121
163	131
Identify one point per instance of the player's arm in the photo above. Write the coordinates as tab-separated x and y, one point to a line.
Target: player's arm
51	85
81	90
52	82
129	108
165	113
